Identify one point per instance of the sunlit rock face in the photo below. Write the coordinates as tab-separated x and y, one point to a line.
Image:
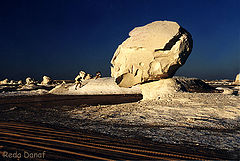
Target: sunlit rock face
20	82
88	76
81	76
5	81
161	88
29	81
237	80
46	80
166	87
152	52
12	82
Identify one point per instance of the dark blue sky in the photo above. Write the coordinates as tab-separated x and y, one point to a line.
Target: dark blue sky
59	38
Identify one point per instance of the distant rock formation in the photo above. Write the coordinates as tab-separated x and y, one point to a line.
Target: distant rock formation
5	81
152	52
29	81
20	82
46	80
12	82
98	75
237	80
81	76
88	76
100	86
79	79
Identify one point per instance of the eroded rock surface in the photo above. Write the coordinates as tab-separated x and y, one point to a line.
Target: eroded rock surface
5	81
29	81
100	86
46	80
167	87
159	89
237	80
152	52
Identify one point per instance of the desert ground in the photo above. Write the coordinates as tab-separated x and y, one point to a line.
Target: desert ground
206	122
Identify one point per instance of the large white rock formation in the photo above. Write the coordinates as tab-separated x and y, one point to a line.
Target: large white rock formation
152	52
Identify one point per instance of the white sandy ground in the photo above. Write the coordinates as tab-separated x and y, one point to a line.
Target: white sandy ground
24	93
211	119
99	86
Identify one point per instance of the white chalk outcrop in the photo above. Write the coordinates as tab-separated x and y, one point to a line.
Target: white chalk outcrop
20	82
12	82
159	89
46	80
88	76
29	81
237	80
82	76
167	87
5	81
95	87
152	52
